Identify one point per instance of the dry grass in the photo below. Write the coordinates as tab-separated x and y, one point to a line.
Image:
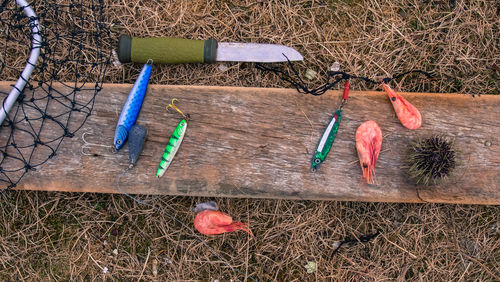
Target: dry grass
458	42
72	236
63	236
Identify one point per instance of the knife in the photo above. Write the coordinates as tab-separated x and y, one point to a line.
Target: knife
169	50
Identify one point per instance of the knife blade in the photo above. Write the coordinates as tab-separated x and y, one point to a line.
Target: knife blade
169	50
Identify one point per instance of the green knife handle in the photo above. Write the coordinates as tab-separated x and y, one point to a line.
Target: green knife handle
166	50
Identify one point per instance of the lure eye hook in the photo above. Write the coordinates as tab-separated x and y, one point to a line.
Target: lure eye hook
173	106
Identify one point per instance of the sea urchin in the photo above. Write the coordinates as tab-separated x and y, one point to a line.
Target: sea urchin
431	160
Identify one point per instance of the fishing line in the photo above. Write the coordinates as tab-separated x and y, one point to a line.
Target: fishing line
361	239
332	78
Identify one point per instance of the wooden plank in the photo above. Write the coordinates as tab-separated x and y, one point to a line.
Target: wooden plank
257	142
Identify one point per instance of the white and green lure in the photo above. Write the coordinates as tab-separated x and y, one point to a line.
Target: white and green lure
326	142
173	143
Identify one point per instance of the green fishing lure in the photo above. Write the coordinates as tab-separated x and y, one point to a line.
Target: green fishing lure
173	143
326	141
328	137
172	147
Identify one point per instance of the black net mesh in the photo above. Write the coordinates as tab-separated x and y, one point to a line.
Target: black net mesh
60	93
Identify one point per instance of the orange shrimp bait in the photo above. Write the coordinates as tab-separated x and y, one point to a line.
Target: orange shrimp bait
210	222
407	113
368	144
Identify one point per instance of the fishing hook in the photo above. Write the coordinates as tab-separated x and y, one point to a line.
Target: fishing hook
89	145
173	106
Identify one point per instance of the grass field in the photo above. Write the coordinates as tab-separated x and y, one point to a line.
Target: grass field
69	236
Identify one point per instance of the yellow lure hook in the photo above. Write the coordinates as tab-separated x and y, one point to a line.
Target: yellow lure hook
173	106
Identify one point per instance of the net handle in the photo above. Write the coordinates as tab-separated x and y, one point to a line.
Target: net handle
30	65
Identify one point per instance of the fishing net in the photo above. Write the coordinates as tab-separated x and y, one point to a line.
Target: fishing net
74	51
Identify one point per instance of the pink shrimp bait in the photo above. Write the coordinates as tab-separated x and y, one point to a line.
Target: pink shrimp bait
210	222
408	115
368	144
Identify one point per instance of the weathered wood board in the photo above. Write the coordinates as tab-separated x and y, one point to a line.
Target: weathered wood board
258	143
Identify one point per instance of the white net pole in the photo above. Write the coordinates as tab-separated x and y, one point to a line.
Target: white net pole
30	65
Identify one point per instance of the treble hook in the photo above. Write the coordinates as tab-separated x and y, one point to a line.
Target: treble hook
173	106
89	145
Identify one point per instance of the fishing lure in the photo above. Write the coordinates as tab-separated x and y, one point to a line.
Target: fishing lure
408	115
326	141
368	144
132	106
173	144
136	142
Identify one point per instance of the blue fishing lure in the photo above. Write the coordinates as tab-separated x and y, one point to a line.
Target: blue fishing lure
132	106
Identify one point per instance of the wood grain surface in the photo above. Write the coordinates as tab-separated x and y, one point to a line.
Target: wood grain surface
258	143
